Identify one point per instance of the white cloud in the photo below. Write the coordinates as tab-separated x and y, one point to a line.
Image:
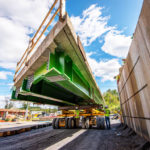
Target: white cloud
18	19
10	84
4	74
3	98
91	25
29	13
2	101
104	69
13	42
8	64
116	44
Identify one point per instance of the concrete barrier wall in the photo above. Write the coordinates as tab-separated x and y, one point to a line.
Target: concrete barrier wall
134	83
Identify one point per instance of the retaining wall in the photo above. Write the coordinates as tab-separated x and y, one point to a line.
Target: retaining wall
134	83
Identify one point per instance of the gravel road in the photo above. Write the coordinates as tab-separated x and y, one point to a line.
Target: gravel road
73	139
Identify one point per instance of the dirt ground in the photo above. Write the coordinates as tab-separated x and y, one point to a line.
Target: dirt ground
117	138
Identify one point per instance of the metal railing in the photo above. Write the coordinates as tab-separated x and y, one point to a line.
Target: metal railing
37	36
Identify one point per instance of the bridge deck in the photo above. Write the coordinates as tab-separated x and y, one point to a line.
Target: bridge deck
62	36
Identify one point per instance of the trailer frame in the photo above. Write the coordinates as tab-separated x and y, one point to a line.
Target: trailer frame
80	116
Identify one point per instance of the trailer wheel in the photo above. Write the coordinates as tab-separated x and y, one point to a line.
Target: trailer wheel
66	123
77	122
57	123
100	123
83	123
103	123
71	123
53	123
87	123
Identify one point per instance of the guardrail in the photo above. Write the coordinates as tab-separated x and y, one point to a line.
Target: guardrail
39	33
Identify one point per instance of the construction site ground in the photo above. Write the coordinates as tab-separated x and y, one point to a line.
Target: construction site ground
117	138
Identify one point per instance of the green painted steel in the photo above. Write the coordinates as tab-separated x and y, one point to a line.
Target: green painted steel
41	71
58	78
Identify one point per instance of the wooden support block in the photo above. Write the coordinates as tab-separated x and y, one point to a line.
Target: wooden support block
5	133
1	134
34	127
8	133
44	125
21	130
40	126
28	129
13	132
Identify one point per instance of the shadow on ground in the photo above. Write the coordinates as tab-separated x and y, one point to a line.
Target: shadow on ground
120	137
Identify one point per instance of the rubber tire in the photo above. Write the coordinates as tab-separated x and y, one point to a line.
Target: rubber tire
71	120
66	123
53	123
103	123
87	123
83	123
77	120
100	121
57	123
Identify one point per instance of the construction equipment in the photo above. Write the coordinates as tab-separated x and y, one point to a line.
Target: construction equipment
57	72
76	116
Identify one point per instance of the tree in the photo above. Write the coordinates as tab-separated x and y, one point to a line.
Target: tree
8	104
24	105
112	100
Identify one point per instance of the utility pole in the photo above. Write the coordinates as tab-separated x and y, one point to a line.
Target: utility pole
26	114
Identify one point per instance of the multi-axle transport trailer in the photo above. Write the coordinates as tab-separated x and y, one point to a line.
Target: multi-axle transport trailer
80	116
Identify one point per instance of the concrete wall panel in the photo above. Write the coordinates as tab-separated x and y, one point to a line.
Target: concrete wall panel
134	84
144	21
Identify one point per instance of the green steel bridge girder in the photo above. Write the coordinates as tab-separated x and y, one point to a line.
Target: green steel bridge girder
59	78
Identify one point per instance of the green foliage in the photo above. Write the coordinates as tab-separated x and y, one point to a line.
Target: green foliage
7	119
25	105
37	108
112	100
48	110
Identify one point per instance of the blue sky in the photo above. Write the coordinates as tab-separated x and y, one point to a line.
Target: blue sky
104	26
122	14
